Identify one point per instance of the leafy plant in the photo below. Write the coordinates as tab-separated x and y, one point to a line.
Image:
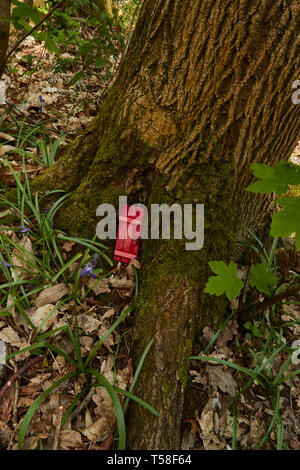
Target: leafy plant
262	276
262	373
226	280
70	29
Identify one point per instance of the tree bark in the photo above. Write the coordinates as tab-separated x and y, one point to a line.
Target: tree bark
204	90
4	27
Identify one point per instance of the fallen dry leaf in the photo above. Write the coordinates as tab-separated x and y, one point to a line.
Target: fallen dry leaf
69	439
41	314
98	287
223	380
88	324
5	149
6	137
31	442
23	260
51	295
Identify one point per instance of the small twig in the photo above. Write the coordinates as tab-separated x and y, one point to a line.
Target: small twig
18	374
276	299
15	405
83	404
12	50
58	428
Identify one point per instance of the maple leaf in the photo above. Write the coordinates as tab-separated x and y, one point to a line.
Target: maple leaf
287	221
226	280
262	278
278	179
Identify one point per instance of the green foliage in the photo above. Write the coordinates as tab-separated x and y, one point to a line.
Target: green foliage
279	180
47	265
263	372
81	27
22	13
262	278
287	221
225	281
276	179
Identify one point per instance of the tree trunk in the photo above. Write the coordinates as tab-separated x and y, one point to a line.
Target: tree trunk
4	27
204	90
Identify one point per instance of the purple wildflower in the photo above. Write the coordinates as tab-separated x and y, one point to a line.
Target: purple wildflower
89	268
5	264
24	229
41	106
95	260
46	211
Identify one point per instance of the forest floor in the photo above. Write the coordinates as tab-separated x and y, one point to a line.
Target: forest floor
226	407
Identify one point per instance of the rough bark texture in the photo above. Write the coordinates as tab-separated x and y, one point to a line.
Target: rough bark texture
204	90
4	27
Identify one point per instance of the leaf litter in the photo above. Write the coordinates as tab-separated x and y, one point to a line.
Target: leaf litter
93	422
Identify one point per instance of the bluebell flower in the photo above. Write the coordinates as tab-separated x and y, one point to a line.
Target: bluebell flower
89	268
46	211
24	229
41	106
95	260
8	265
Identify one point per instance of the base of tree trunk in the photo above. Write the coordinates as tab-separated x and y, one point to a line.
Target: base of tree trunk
198	97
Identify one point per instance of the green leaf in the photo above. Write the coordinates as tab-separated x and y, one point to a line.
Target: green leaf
226	280
23	11
262	277
276	179
51	46
287	221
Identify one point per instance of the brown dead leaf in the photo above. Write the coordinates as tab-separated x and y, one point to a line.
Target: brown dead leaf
7	177
106	421
109	342
31	442
98	287
51	295
88	324
41	314
208	422
4	149
10	336
129	269
121	283
109	313
21	257
198	377
67	246
6	137
70	439
222	379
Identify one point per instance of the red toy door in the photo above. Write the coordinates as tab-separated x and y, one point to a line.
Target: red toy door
129	233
